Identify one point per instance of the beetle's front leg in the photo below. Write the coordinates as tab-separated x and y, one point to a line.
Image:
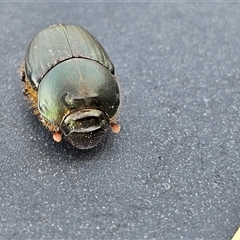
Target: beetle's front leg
114	126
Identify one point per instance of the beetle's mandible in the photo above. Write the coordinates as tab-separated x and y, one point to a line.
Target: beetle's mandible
69	79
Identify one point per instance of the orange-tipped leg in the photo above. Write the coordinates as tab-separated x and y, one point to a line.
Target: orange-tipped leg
115	127
57	136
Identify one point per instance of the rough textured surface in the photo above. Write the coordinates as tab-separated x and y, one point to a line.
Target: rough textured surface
173	171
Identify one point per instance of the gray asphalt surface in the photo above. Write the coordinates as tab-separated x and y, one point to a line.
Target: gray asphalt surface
173	172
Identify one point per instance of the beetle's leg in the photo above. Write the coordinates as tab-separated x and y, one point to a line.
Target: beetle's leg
25	90
114	126
21	72
23	76
30	93
57	136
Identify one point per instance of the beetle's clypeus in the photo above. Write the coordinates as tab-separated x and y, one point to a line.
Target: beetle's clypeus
69	79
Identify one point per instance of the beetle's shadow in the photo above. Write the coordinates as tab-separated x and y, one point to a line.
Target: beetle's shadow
84	155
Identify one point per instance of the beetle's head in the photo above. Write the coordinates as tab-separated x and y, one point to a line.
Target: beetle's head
85	128
79	97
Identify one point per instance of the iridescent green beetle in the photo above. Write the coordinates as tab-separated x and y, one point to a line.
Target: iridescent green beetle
70	81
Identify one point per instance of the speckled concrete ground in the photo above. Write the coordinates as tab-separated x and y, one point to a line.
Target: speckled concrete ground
173	170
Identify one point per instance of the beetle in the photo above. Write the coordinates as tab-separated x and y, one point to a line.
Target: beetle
70	81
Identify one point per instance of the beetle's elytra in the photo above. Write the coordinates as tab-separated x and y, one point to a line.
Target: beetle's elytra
69	79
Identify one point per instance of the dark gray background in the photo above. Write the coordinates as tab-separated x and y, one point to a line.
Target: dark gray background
173	172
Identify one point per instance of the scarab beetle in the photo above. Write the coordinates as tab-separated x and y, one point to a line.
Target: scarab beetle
69	79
